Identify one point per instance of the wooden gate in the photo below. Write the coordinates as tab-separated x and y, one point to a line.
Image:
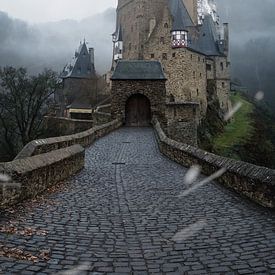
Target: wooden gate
138	111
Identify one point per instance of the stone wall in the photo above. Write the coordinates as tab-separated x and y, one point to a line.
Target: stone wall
85	139
36	174
102	114
222	76
154	90
60	126
254	182
185	69
182	121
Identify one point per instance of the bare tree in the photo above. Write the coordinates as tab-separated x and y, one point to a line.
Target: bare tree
24	101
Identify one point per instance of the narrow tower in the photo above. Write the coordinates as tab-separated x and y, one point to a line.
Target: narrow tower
179	31
118	44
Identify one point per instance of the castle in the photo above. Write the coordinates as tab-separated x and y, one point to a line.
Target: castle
186	37
170	61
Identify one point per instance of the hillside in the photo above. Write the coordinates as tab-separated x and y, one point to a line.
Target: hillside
249	136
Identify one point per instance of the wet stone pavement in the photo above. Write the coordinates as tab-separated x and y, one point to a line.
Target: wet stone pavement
122	215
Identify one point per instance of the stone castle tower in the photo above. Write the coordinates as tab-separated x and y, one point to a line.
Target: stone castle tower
186	37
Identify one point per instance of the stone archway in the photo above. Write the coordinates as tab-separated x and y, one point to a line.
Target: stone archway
138	111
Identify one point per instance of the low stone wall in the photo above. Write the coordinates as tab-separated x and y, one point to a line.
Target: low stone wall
254	182
61	126
102	114
85	138
33	175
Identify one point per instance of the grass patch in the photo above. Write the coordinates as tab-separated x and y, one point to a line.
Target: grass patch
237	131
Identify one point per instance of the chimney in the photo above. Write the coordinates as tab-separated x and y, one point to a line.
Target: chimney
92	55
226	36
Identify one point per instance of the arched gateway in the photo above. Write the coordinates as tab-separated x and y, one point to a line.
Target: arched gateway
138	92
138	111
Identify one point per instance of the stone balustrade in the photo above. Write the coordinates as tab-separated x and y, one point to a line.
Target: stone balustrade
46	162
256	183
32	176
85	138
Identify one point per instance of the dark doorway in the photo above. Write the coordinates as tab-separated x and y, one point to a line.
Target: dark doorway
138	111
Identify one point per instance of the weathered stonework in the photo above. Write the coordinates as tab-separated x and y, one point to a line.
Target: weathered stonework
146	28
182	122
254	182
36	174
43	163
154	90
185	69
85	138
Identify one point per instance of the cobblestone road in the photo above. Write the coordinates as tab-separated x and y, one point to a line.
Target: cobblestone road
121	213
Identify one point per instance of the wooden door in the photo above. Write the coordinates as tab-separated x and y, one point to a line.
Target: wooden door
138	111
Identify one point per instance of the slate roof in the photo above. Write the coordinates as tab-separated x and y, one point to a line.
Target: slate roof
81	103
207	43
208	39
138	70
81	65
181	17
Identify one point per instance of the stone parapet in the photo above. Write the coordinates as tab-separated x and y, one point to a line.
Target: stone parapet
256	183
61	126
85	138
32	176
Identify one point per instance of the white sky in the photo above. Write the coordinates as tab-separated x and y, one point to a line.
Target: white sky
36	11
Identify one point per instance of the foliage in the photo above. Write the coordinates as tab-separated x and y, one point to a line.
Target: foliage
237	131
250	136
24	101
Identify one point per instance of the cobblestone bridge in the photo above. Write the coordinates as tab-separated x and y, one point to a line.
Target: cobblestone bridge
122	215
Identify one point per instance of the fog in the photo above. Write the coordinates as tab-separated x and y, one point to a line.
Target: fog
252	31
52	45
252	44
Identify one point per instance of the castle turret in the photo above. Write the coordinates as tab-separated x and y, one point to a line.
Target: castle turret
118	44
179	31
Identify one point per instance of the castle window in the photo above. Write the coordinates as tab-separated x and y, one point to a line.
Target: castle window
197	92
194	74
191	56
162	40
223	84
208	67
152	55
166	25
173	54
222	66
164	56
200	74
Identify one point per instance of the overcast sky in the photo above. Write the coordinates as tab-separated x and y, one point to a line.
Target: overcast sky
36	11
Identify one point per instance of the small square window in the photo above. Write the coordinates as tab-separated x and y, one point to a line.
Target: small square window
164	56
152	55
173	54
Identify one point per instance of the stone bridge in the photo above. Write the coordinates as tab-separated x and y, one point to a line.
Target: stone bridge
123	214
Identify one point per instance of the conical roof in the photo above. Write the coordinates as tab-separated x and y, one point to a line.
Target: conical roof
181	17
